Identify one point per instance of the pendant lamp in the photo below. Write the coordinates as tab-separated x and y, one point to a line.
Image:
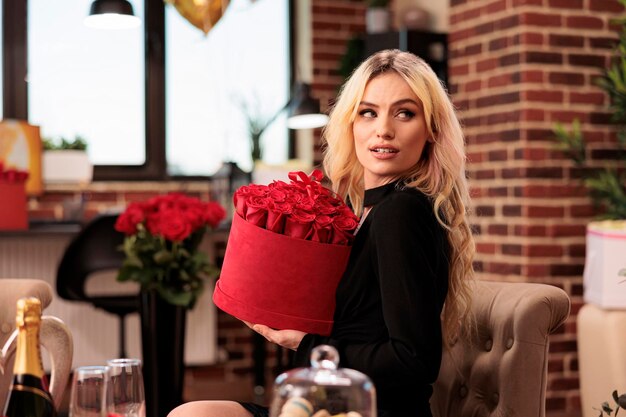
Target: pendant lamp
304	110
112	14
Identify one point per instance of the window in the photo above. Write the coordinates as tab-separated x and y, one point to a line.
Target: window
87	82
214	82
111	87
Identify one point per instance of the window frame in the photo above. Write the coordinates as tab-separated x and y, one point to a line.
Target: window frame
15	91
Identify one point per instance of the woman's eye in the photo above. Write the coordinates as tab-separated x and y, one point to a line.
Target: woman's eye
405	114
367	113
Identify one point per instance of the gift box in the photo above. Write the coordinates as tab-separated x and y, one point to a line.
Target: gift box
13	213
279	281
604	279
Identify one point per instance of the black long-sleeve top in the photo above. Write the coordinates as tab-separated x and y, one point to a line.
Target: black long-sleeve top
389	301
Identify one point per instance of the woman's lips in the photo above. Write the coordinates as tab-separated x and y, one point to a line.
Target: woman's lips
383	152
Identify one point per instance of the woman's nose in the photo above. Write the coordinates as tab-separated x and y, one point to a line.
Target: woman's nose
384	128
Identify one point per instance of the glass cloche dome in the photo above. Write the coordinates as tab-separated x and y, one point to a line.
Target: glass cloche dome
323	390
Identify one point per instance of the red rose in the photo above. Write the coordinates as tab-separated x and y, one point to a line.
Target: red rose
194	214
239	200
322	229
127	221
306	204
11	175
173	226
277	195
324	206
258	207
299	224
245	192
294	198
343	228
213	213
153	221
277	215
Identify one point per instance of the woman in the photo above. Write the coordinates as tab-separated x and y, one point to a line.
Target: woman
395	150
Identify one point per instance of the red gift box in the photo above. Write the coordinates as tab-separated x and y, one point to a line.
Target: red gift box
13	214
279	281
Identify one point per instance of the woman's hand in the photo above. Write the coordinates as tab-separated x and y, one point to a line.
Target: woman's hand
289	339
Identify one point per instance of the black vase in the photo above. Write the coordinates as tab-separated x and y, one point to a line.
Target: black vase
163	348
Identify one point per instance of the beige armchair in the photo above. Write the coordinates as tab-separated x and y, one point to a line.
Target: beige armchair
502	370
55	336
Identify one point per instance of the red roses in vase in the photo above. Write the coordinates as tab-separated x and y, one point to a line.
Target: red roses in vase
161	245
287	249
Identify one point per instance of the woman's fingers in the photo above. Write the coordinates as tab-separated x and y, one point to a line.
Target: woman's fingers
289	339
264	331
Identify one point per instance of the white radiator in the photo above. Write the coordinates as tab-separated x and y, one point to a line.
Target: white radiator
95	332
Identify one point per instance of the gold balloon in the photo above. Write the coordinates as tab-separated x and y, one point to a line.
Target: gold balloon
203	14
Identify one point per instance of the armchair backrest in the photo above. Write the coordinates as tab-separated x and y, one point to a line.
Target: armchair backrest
501	369
94	249
55	337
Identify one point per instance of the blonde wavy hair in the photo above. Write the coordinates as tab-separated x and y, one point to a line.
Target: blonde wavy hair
440	172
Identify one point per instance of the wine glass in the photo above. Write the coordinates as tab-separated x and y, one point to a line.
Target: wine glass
88	397
126	392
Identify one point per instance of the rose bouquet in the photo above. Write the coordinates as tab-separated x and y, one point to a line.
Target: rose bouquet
12	174
287	249
161	245
13	213
303	209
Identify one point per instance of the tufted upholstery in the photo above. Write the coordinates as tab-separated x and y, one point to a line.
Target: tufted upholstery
501	370
55	336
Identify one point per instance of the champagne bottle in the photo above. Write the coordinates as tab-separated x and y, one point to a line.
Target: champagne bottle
29	396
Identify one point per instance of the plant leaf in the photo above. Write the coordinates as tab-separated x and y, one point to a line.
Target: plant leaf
163	257
179	298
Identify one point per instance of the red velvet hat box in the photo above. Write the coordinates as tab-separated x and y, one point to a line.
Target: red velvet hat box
279	281
13	213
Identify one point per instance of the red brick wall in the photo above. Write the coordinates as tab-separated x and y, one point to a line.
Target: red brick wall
516	68
334	23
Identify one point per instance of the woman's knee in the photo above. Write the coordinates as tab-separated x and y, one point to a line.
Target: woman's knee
209	409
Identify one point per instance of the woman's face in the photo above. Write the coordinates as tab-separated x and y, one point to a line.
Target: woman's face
389	130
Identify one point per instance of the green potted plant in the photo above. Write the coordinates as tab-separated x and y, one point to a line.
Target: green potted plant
620	404
607	186
66	161
606	240
604	284
377	16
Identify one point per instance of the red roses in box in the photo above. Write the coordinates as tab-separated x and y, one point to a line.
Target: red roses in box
303	209
161	245
13	213
12	174
287	250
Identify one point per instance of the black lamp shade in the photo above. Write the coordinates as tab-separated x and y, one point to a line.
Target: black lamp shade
111	6
304	110
112	14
